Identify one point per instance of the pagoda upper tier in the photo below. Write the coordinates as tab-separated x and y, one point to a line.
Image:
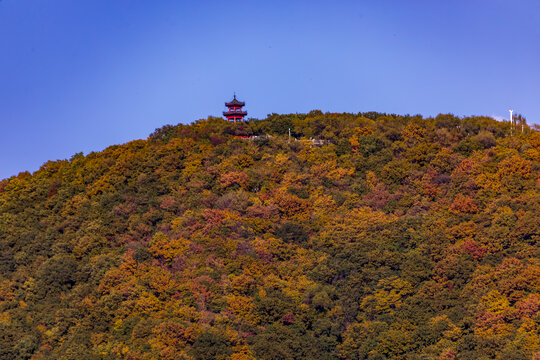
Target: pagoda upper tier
235	102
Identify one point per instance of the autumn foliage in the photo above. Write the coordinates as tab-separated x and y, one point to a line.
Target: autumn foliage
395	237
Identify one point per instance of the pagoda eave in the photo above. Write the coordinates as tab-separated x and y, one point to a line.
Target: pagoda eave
235	103
234	113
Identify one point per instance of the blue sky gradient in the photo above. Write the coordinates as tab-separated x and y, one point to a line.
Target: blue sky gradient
81	75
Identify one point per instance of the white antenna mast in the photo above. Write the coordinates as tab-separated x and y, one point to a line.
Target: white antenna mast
511	121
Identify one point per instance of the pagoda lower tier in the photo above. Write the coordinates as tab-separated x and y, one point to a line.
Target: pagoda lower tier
235	115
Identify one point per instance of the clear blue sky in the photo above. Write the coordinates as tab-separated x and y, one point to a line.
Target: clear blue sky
81	75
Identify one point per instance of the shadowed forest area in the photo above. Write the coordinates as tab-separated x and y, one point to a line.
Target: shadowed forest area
399	237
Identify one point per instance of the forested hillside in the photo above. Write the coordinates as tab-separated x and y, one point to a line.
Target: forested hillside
399	237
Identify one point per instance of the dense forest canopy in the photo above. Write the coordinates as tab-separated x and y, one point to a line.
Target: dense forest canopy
398	237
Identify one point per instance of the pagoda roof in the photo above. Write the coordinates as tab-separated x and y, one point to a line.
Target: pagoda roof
235	102
233	113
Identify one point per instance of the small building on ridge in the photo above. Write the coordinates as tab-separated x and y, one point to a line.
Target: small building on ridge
235	112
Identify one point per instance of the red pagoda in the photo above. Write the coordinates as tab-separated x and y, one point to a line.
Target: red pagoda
235	112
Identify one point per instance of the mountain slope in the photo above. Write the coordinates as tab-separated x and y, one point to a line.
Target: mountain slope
398	238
